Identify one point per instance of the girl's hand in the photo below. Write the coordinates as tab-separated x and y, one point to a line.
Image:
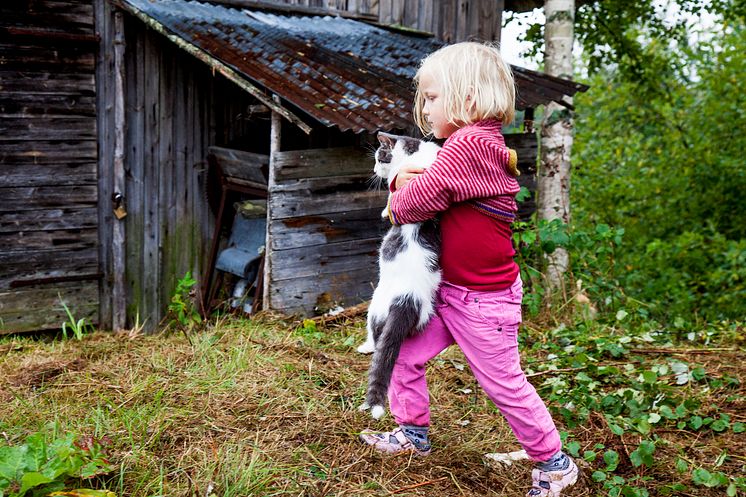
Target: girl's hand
406	173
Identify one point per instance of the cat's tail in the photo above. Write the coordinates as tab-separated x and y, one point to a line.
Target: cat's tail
401	320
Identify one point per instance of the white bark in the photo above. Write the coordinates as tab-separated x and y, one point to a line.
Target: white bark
556	130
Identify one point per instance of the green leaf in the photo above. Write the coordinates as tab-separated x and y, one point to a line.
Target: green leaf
598	476
616	429
738	427
681	465
643	455
695	422
719	425
701	476
573	448
611	458
12	462
667	413
590	455
32	479
36	457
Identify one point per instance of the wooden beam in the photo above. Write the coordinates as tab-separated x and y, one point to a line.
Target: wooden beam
119	297
215	64
275	136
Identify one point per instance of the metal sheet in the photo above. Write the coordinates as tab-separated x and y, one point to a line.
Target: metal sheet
341	72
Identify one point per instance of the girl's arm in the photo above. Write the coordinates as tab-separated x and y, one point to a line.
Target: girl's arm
467	167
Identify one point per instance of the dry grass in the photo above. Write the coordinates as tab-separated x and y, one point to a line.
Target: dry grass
260	408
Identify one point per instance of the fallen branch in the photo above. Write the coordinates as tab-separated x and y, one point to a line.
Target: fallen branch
348	313
410	487
684	351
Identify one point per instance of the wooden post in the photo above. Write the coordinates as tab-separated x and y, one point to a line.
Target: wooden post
274	146
119	307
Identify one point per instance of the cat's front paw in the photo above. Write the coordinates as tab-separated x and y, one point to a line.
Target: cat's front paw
368	347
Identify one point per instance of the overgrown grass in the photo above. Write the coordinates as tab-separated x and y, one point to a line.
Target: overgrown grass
269	407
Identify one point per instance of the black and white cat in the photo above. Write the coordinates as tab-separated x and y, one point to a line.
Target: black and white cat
409	273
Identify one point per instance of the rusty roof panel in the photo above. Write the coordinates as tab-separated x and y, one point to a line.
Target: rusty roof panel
341	72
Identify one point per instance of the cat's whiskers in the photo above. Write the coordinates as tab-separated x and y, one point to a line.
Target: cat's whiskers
375	182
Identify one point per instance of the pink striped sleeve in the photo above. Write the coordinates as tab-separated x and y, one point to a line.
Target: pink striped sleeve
467	167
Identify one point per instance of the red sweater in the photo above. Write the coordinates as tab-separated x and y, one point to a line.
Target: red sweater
470	185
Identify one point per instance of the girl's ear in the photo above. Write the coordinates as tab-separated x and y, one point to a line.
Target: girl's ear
386	140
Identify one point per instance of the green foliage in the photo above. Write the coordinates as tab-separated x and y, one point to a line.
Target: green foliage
666	164
38	466
182	307
78	327
599	374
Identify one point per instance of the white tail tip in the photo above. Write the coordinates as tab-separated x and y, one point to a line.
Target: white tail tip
377	412
367	348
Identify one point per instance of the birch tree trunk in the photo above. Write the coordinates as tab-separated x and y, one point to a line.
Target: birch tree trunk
556	131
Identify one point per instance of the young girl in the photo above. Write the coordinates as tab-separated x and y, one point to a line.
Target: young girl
465	92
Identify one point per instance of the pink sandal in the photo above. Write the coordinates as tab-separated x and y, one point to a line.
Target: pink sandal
551	483
392	442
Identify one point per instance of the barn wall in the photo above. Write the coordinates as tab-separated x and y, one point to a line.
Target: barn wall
324	230
175	108
48	193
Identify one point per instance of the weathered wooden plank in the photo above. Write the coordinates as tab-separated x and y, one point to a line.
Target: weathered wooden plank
59	58
76	17
164	175
307	231
44	197
320	162
329	184
44	81
301	295
40	104
48	152
149	280
303	262
24	241
240	164
105	131
33	265
70	173
297	204
48	219
17	315
45	128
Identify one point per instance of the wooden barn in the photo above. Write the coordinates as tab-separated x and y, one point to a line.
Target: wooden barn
131	130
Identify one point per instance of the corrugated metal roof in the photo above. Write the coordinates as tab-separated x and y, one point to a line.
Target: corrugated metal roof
342	72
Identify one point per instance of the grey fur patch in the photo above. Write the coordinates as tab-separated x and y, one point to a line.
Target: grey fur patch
393	244
411	145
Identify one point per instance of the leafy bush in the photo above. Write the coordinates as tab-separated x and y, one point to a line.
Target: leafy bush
662	158
39	467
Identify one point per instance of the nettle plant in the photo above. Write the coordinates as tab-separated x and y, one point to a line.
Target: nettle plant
600	375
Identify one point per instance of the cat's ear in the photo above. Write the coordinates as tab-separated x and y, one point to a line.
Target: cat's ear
386	140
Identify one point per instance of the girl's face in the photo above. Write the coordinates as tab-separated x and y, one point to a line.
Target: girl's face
433	109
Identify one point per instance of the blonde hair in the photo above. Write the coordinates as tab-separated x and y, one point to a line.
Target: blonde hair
476	84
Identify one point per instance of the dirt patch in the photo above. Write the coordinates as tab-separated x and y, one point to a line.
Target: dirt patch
36	375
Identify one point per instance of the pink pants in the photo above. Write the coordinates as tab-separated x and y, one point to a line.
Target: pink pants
485	326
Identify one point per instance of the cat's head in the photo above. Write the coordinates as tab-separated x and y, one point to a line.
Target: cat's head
394	151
